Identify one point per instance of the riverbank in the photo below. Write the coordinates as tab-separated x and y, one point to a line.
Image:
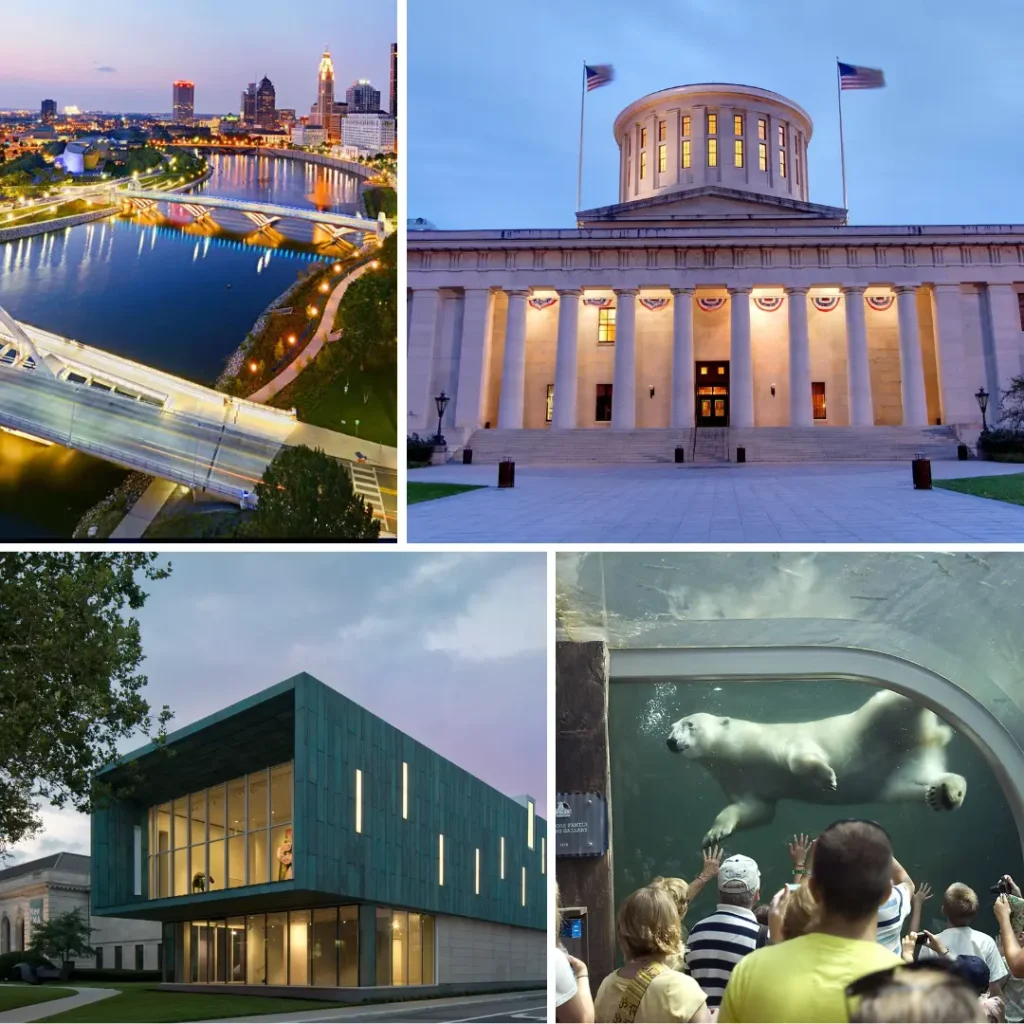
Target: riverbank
107	513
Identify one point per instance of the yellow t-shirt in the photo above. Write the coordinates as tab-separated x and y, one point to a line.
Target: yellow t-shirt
670	997
803	979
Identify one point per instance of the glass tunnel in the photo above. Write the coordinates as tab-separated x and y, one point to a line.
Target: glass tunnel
799	638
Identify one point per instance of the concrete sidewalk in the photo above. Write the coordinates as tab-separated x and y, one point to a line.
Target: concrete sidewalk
144	511
37	1011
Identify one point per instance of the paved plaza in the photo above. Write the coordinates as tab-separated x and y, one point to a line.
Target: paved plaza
830	503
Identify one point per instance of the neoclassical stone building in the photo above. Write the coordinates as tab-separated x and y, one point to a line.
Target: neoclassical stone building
712	294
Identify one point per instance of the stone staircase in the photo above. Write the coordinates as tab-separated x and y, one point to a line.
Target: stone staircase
712	444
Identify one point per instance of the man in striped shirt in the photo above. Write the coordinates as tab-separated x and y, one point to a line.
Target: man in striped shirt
896	909
717	943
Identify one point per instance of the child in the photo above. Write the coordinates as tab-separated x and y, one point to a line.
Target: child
1013	988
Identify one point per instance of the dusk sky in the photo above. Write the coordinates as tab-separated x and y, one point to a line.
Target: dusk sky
494	107
449	648
117	56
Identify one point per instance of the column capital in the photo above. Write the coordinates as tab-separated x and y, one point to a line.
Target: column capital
905	289
627	291
519	293
569	293
740	290
853	289
683	291
947	287
796	289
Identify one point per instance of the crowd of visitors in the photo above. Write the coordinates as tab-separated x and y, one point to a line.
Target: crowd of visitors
829	946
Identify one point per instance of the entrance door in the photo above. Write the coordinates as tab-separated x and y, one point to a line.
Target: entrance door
712	397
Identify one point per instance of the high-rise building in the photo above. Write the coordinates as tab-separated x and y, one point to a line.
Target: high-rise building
286	116
49	111
363	98
393	98
369	133
325	91
184	102
248	111
266	104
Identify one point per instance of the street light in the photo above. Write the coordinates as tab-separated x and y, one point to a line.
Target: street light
441	401
982	396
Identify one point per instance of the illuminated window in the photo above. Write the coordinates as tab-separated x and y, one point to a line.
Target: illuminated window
703	371
782	163
662	159
762	128
543	856
738	152
359	800
686	153
662	130
501	859
529	824
440	859
818	399
762	156
737	124
606	326
477	875
405	789
549	405
712	152
523	888
686	124
643	138
643	164
712	124
782	135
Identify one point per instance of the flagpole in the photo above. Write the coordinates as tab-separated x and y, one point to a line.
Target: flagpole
842	147
579	169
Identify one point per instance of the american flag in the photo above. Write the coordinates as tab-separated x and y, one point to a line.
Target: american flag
853	77
598	75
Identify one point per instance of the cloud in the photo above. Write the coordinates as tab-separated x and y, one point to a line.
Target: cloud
107	68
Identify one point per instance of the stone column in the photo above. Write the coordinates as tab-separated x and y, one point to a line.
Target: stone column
513	369
858	369
624	385
420	371
741	367
956	393
474	357
682	358
915	407
1006	341
563	415
801	411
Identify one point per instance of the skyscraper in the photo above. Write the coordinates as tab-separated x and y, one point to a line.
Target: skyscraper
184	102
362	98
266	105
49	111
325	91
248	111
393	104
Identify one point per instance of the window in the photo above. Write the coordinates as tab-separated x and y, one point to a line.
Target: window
703	371
686	125
782	163
529	824
796	157
549	404
603	414
762	128
606	326
818	399
738	153
405	789
643	138
712	152
686	153
712	124
782	136
762	156
384	946
662	158
440	859
643	164
543	856
501	851
359	801
99	958
737	124
1020	306
476	884
662	130
324	946
118	958
522	889
139	956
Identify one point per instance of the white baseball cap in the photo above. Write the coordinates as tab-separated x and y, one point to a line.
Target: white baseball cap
739	874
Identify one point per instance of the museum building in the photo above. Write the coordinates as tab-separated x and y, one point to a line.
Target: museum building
295	839
714	294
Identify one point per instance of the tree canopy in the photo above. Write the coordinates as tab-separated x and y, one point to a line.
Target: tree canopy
368	316
64	936
70	686
307	495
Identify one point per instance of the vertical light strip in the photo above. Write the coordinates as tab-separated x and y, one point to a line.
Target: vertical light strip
440	859
138	859
477	887
405	789
502	856
543	856
529	824
359	800
524	887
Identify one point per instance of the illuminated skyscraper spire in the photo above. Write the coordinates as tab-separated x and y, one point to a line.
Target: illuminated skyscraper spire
325	91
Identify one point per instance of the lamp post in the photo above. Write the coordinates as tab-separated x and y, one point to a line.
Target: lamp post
441	401
982	396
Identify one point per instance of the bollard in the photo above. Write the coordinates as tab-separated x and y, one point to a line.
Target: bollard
467	456
741	454
921	470
506	473
680	454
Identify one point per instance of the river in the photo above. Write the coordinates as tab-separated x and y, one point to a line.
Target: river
173	295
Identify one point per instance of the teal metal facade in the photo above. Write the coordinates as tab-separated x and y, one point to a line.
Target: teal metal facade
393	861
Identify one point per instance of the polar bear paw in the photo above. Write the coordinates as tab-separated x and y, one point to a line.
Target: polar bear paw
714	835
946	794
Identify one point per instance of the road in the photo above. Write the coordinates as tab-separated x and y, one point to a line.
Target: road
491	1009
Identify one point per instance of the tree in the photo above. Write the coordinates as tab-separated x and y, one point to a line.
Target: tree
307	495
1011	405
64	937
70	688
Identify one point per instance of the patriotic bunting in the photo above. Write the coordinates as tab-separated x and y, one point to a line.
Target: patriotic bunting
879	302
653	303
769	303
709	305
543	303
826	303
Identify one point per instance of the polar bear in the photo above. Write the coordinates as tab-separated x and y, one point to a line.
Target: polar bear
889	750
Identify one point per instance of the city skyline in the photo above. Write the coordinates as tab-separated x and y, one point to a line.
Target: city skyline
99	64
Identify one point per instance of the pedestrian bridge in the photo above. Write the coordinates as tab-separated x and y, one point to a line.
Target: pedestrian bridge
60	391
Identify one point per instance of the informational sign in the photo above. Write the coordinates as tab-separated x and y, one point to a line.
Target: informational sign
35	912
581	825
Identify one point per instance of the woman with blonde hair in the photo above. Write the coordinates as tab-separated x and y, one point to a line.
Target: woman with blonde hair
573	1002
646	990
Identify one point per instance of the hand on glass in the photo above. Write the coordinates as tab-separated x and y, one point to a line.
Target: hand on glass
922	893
799	847
1002	908
712	862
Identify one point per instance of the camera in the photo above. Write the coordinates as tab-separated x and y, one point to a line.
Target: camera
1001	888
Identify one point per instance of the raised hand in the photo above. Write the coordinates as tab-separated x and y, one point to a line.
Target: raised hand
922	893
799	847
713	856
1012	886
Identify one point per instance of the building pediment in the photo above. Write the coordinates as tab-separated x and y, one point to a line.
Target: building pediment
713	204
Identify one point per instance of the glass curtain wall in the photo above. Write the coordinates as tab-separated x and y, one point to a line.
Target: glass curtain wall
405	948
224	837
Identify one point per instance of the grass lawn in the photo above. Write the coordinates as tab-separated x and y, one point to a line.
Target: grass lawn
14	996
321	399
1000	488
196	526
417	492
142	1002
72	209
